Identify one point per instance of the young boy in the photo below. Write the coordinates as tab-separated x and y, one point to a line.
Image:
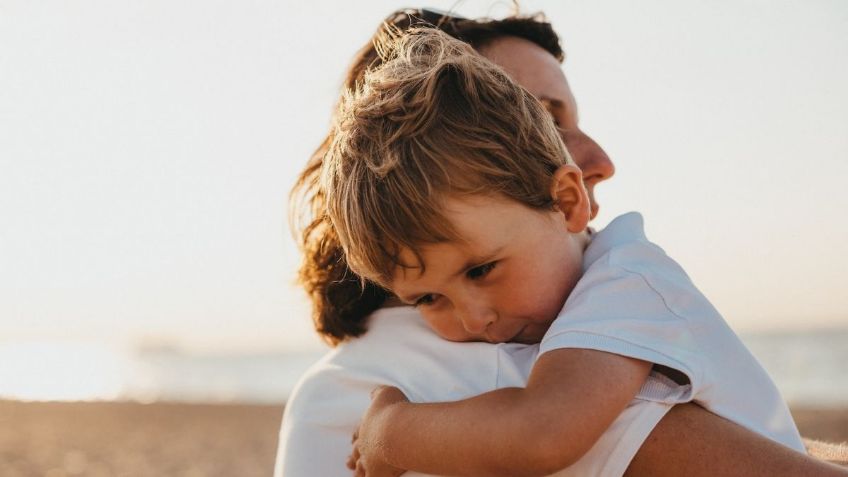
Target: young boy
449	185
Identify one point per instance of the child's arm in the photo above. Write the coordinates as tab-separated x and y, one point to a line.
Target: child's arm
571	398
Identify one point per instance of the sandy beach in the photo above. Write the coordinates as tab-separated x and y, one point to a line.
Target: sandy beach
191	440
129	439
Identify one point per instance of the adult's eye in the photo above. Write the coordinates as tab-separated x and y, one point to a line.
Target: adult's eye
480	271
552	109
556	120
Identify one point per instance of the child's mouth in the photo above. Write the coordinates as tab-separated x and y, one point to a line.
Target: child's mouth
516	338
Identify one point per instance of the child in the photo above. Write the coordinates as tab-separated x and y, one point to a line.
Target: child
449	185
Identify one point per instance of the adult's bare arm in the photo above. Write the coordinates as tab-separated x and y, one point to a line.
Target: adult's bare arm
694	442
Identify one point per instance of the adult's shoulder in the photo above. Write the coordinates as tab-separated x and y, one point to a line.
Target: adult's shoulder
399	349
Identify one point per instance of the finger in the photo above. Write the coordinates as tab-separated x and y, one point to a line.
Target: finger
360	470
355	436
351	462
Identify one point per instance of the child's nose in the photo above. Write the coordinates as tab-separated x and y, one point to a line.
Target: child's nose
476	318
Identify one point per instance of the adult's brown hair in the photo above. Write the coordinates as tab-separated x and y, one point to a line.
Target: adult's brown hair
341	302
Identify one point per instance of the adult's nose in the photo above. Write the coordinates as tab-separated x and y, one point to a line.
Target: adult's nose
592	160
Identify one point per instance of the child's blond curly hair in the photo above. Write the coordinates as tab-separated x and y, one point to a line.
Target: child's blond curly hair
435	119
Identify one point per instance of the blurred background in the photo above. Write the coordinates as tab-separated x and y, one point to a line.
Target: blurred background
147	150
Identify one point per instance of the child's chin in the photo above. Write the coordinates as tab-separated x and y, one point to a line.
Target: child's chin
530	334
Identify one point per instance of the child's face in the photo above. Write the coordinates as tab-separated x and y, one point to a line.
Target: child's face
506	281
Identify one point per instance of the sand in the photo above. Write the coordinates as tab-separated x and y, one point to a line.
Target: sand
129	439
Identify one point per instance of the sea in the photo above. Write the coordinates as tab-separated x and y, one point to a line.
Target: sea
809	368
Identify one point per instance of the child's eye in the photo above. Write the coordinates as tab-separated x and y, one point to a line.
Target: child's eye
425	300
480	271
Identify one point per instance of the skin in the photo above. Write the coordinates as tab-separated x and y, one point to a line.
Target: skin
693	442
688	441
541	74
571	398
505	280
508	280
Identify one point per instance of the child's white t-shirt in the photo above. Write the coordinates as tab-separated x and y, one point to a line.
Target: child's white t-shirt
633	300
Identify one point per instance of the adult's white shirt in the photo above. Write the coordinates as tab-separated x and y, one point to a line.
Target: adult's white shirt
399	350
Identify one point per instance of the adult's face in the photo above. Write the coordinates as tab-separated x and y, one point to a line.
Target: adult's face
540	73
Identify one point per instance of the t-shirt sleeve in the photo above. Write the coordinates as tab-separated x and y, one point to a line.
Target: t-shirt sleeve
620	310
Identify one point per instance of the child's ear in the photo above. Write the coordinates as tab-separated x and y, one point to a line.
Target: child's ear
570	197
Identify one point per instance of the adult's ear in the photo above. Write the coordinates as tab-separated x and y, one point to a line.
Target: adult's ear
570	197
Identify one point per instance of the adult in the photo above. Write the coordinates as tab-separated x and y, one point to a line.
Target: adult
649	438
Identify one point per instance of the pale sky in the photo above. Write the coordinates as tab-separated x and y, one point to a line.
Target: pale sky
147	150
